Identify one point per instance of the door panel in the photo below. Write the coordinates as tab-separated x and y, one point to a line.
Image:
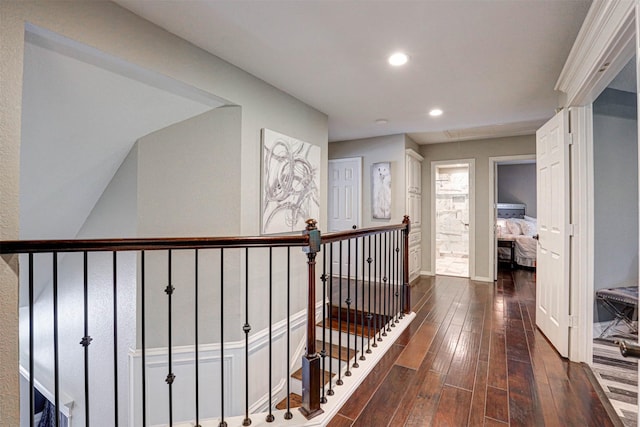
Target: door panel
344	187
552	287
344	207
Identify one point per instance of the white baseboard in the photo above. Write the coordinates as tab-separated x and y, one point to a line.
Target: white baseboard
482	279
210	366
335	402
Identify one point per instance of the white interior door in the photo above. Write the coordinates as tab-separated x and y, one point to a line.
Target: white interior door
552	283
344	207
344	194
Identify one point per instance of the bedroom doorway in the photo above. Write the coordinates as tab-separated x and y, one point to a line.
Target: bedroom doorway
513	181
452	207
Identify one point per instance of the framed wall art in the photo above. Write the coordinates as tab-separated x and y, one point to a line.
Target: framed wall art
381	190
290	183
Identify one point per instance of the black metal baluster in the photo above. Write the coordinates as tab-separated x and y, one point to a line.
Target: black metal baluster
348	302
323	352
56	355
31	375
392	257
246	328
393	281
196	343
396	286
362	315
170	376
339	382
376	285
222	423
385	283
115	339
380	313
401	275
355	313
86	339
270	416
369	315
288	415
389	250
330	392
143	343
390	272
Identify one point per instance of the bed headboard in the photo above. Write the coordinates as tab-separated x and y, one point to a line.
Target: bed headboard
511	210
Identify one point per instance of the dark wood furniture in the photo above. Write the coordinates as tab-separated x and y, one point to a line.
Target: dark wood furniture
506	243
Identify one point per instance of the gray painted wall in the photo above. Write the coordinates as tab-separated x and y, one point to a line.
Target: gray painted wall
517	184
615	158
372	150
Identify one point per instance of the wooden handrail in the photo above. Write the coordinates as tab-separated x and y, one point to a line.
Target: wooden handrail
360	232
158	243
96	245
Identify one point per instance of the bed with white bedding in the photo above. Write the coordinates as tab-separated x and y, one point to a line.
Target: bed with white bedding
513	225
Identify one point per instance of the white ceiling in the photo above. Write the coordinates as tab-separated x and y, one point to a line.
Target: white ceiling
79	122
490	65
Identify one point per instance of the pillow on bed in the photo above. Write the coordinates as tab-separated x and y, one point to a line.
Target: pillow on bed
529	218
513	225
529	228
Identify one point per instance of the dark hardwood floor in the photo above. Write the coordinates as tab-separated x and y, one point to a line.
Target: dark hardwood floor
473	356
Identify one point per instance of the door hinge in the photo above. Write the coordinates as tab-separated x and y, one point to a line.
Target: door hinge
573	321
570	139
571	230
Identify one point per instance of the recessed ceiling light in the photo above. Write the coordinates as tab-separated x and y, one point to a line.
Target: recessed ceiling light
381	121
435	112
398	59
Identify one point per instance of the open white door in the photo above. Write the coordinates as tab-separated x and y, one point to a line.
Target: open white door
552	283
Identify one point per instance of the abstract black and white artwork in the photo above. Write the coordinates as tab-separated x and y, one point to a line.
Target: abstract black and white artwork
381	190
290	183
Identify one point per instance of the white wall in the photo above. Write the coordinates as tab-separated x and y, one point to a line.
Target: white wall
372	150
479	150
110	28
115	214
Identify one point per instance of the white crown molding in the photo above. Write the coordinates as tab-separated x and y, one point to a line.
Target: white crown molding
606	36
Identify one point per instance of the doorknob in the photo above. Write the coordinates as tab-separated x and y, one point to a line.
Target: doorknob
354	226
537	237
628	349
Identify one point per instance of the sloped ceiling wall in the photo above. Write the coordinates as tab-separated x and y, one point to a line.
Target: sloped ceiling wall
79	122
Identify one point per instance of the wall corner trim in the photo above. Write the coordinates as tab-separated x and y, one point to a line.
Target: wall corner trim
605	36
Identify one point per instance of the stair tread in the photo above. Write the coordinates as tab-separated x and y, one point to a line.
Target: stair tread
295	402
334	351
352	329
298	375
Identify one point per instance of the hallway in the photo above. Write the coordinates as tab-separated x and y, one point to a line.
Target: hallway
473	356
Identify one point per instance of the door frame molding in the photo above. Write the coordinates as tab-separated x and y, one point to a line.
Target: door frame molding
607	40
472	213
493	192
343	160
582	242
